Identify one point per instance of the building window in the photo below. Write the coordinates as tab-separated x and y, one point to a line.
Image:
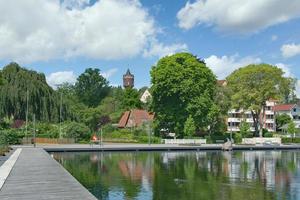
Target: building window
269	116
295	110
268	108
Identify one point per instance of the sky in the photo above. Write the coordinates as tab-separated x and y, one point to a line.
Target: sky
62	38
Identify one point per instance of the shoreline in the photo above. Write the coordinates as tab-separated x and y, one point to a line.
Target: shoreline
157	147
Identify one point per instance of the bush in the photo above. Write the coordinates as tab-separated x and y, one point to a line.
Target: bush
237	138
290	140
268	135
11	136
78	131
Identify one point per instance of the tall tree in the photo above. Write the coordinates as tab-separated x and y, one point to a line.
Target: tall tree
182	85
43	101
253	85
1	79
91	87
131	99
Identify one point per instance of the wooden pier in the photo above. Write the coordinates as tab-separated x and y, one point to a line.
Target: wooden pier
36	176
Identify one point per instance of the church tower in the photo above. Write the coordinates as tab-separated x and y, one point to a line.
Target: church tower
128	80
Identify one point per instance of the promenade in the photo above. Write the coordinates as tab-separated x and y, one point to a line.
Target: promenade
36	176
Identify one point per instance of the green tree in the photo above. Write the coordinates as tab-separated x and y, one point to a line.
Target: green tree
282	120
189	127
1	79
43	101
253	85
244	129
78	131
91	87
291	128
131	99
182	85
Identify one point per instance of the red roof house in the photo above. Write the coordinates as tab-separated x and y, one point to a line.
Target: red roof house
135	118
283	107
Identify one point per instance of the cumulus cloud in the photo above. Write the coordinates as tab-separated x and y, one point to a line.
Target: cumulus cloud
223	66
160	50
57	78
298	89
40	30
290	50
107	74
286	69
238	16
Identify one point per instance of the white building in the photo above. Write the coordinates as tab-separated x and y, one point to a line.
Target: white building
235	117
293	110
146	96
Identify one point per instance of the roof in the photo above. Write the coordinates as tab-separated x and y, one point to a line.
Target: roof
283	107
221	82
135	118
128	73
124	119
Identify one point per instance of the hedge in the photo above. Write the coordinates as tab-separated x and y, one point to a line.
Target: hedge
290	140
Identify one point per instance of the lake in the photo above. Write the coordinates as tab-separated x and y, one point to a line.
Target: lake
186	175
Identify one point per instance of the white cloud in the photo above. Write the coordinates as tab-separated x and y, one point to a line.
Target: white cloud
274	37
75	4
223	66
160	50
238	16
107	74
39	30
285	68
290	50
57	78
298	89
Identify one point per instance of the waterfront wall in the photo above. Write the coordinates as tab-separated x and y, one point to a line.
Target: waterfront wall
258	140
185	141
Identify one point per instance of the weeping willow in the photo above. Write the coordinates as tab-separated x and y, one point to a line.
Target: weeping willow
43	101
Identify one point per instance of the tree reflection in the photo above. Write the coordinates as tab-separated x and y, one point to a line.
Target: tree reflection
187	175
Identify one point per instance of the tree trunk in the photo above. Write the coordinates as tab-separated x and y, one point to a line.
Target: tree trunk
255	122
261	121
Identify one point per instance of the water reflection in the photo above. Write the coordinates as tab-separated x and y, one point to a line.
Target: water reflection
187	175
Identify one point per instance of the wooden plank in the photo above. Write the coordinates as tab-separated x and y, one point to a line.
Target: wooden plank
36	176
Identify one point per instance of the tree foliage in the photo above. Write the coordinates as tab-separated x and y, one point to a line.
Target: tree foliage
244	129
291	128
253	85
43	101
189	127
182	85
131	99
282	120
91	87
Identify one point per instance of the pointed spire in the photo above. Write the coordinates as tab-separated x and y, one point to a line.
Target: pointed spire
128	72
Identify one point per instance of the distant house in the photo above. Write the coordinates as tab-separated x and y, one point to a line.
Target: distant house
222	82
145	96
135	118
292	110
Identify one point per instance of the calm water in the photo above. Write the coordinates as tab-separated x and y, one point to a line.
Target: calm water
187	175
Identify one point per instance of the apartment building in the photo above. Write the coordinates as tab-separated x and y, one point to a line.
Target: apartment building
236	117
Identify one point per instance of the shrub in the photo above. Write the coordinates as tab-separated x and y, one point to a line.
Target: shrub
11	136
268	135
290	140
237	138
78	131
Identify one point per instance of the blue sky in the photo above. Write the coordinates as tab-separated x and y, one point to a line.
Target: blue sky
63	37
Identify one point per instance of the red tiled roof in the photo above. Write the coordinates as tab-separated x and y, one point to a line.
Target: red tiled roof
124	119
135	118
283	107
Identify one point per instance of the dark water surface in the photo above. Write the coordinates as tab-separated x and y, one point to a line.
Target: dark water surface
237	175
